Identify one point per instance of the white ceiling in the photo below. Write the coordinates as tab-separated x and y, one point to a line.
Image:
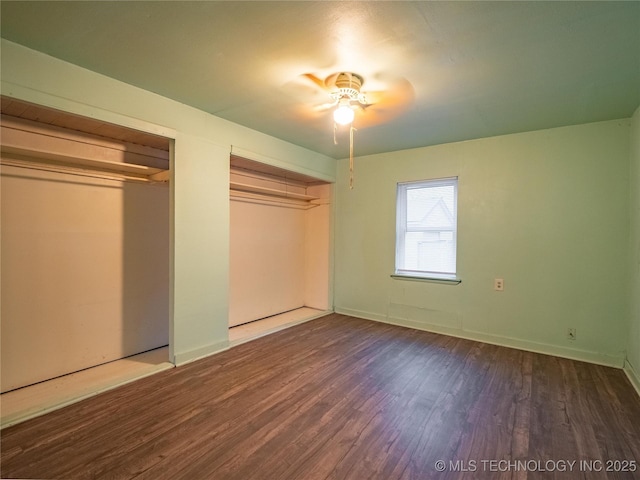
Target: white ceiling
477	69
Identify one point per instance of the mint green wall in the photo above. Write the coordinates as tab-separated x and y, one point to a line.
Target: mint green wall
200	262
547	211
200	179
633	346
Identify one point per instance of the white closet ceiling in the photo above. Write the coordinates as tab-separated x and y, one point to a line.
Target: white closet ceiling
61	141
48	116
476	69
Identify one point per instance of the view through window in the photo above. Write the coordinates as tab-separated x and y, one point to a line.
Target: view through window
426	228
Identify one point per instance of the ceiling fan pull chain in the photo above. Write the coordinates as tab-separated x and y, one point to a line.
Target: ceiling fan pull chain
351	130
335	128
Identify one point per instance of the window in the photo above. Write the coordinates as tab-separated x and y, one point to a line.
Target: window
426	229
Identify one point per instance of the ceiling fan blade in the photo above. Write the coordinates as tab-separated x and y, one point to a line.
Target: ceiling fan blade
309	113
319	82
385	105
306	89
325	106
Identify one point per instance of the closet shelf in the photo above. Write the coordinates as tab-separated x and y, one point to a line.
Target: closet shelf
90	166
61	150
243	187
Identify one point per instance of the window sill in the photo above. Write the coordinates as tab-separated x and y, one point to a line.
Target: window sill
413	278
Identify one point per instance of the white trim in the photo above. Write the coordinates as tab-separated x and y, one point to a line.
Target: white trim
403	228
427	278
279	328
63	104
13	420
433	182
596	358
632	375
183	358
258	157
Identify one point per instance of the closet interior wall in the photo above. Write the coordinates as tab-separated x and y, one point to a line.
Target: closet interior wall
85	244
279	258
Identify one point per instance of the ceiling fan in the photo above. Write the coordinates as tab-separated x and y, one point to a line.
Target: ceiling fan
373	107
344	89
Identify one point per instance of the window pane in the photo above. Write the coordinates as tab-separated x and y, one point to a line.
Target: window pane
426	227
431	205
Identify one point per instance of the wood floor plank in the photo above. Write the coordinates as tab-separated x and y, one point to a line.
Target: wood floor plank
342	398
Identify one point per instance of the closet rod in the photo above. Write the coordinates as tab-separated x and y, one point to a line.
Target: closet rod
272	192
246	197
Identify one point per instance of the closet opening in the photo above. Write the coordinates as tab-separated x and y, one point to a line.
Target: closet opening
85	257
279	248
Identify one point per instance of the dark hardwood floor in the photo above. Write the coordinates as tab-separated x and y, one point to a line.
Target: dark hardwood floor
345	398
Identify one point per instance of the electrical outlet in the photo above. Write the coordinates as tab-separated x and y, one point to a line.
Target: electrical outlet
498	284
571	333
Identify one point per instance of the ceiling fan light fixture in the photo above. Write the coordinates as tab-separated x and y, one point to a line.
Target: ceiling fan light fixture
347	92
343	115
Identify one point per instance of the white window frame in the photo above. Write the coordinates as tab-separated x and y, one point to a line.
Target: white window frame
402	230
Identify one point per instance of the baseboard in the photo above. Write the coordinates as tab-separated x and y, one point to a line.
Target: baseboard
322	313
198	353
632	375
529	346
